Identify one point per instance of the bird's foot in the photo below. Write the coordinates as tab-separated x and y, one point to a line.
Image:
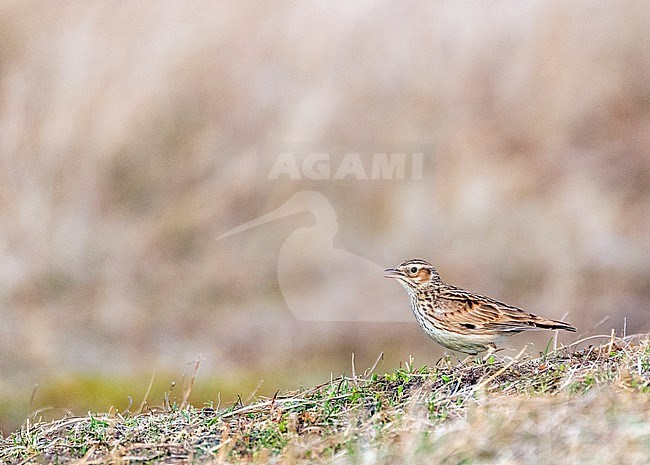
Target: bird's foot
492	349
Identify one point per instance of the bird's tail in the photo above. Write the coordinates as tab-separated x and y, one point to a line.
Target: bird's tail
554	324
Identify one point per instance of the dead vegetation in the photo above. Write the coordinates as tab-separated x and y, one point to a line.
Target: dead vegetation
134	134
573	403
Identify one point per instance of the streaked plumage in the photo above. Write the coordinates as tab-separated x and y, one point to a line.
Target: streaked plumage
460	320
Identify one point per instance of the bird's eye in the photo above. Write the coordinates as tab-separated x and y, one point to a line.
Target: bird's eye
414	269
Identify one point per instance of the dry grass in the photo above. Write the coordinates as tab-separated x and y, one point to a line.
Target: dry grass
568	404
132	134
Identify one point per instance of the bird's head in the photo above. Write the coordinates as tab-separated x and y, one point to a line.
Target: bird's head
414	273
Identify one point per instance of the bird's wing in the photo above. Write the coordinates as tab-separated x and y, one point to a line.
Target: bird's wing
474	312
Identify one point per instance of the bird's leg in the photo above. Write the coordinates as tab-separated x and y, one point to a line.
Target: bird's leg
492	349
445	361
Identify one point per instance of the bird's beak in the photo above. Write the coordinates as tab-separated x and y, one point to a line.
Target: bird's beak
392	273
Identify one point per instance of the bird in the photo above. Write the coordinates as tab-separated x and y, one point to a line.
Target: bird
460	320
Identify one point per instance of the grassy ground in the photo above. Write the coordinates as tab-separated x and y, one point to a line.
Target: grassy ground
572	406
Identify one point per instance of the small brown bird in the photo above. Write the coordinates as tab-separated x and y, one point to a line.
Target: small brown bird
460	320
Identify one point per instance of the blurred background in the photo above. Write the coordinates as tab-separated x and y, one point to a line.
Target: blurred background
133	135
